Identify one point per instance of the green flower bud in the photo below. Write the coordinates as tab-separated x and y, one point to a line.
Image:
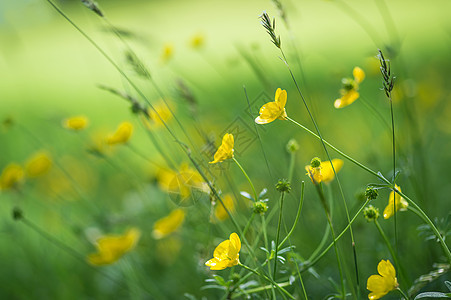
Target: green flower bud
371	193
371	213
316	162
292	146
283	185
260	207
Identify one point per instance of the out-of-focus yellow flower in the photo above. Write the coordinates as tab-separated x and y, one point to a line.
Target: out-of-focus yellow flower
400	203
182	182
168	52
111	248
39	164
226	254
168	224
324	173
75	123
122	134
161	113
197	41
273	110
349	92
220	213
380	285
11	176
225	151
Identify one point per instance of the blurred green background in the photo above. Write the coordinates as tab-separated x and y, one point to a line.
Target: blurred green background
50	72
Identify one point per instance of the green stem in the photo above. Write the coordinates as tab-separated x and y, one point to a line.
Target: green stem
265	237
402	293
247	177
394	169
248	223
281	289
282	196
298	214
259	289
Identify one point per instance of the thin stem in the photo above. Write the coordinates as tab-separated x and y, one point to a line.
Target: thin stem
259	289
265	237
248	179
402	293
298	214
394	169
281	289
249	222
282	196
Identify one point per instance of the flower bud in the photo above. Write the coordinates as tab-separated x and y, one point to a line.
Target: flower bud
283	185
371	213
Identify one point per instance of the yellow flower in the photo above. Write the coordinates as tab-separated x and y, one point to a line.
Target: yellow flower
75	123
168	52
161	113
11	176
225	151
226	254
220	213
273	110
181	183
122	134
168	224
197	41
401	203
39	164
350	87
380	285
324	173
111	248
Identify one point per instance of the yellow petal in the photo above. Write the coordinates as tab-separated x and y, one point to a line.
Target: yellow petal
235	246
386	269
76	123
281	98
222	250
216	264
326	169
225	151
400	203
11	175
268	113
39	164
168	224
359	74
122	134
220	213
348	98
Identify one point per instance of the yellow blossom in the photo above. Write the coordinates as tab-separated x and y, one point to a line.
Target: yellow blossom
111	248
349	92
11	176
273	110
380	285
168	224
75	123
182	182
220	213
122	134
401	203
155	117
226	254
324	173
225	151
168	52
39	164
197	41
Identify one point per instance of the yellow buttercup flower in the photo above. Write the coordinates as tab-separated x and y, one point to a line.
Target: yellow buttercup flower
225	151
75	123
168	224
39	164
220	213
155	117
273	110
11	176
380	285
349	92
122	134
400	203
226	254
111	248
324	172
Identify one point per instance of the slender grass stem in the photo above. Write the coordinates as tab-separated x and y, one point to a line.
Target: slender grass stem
259	289
298	214
249	222
247	178
282	196
403	294
265	238
394	170
278	287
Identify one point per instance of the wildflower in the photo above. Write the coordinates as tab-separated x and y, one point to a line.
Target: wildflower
380	285
283	185
225	151
122	134
292	146
197	41
323	171
349	92
159	115
11	176
168	224
111	248
75	123
168	52
260	207
226	254
371	193
38	164
220	212
400	203
371	213
273	110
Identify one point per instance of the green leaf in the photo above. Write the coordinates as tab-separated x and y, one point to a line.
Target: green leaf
432	295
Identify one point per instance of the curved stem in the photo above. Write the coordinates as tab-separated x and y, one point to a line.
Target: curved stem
247	177
298	214
402	293
282	196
